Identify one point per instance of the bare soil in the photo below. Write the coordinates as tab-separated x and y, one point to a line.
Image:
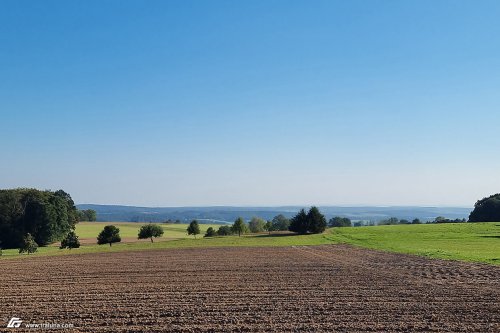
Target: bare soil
335	288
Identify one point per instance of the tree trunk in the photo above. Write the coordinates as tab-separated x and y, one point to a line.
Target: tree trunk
109	244
151	239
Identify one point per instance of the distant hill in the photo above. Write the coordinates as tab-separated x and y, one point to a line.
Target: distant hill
222	214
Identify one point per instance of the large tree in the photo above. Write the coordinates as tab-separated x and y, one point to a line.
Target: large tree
486	210
313	221
48	216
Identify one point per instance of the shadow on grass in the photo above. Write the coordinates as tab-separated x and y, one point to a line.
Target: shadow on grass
491	236
278	235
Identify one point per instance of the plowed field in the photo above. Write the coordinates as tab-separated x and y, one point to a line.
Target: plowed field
334	288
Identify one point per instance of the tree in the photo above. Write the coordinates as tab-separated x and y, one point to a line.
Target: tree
316	221
268	227
109	235
486	209
256	225
224	230
416	221
149	231
280	223
313	221
28	245
194	228
48	216
70	241
210	232
89	215
299	223
403	221
338	221
239	226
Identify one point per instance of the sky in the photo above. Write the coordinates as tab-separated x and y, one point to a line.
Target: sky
253	103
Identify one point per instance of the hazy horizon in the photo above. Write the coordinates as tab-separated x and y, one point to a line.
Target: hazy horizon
188	103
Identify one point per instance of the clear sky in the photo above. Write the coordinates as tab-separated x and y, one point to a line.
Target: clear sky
168	103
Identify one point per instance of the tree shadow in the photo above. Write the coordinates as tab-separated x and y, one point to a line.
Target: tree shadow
278	235
491	236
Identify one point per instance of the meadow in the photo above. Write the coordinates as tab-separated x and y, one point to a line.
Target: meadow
476	242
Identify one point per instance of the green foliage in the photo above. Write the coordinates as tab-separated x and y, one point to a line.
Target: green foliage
256	225
224	230
338	221
239	226
280	223
70	241
109	235
149	231
390	221
48	216
317	221
194	228
28	244
299	222
416	221
486	209
210	232
313	222
88	215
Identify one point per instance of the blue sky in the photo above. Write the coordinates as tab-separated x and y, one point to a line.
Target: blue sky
175	103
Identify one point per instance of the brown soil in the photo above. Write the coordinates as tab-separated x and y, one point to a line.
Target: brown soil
334	288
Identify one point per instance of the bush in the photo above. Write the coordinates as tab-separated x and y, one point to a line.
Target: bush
70	241
28	244
224	230
338	221
256	225
210	232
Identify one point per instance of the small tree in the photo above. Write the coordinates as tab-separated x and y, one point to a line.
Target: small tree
28	244
239	226
338	221
70	241
194	228
280	223
210	232
268	227
416	221
256	225
149	231
109	235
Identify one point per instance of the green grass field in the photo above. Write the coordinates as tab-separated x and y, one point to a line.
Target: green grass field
478	242
463	241
90	230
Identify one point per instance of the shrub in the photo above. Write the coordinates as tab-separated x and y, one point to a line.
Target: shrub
109	235
28	244
70	241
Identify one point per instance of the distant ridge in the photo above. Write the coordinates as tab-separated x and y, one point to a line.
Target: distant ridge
227	214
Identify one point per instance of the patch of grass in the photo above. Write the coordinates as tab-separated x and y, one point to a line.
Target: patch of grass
478	242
